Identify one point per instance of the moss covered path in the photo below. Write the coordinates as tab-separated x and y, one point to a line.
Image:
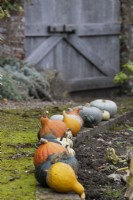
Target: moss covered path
17	140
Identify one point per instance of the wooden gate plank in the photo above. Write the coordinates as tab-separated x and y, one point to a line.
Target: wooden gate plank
90	83
93	29
38	54
90	55
98	29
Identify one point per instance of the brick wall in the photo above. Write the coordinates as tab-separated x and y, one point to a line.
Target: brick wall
13	31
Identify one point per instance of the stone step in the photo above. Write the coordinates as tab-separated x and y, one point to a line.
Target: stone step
48	194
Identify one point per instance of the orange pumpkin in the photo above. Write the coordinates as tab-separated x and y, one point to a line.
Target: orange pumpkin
46	149
55	127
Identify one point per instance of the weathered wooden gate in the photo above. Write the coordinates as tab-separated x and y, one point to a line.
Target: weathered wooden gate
79	38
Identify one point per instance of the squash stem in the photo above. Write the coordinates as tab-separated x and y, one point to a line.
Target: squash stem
44	141
83	196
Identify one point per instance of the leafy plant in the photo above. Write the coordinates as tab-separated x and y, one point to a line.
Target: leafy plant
130	128
125	76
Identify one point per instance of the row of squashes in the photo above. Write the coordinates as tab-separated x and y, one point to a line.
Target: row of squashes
55	163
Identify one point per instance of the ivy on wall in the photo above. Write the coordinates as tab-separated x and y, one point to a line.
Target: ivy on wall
9	6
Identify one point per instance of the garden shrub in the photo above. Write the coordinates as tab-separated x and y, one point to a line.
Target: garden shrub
21	81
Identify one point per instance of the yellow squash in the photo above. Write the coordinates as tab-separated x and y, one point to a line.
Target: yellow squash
72	122
62	178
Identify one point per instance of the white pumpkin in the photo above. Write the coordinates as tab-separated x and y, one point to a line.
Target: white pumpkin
56	117
104	104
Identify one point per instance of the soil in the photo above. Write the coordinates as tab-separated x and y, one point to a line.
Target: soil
95	167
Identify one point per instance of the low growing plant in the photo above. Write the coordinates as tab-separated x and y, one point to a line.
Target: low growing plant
125	78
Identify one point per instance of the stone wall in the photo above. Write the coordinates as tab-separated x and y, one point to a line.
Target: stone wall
12	30
126	38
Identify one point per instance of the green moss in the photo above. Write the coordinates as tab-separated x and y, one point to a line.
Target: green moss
18	136
17	179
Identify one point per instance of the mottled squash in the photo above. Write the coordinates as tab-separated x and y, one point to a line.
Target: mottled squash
41	172
91	116
51	138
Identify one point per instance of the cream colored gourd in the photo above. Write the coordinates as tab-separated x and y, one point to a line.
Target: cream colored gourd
64	143
68	134
62	178
66	140
71	123
105	115
70	151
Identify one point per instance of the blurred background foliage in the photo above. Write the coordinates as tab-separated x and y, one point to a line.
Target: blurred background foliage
20	81
9	6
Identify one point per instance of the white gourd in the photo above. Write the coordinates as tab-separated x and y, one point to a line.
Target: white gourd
70	151
68	134
67	140
106	115
63	143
